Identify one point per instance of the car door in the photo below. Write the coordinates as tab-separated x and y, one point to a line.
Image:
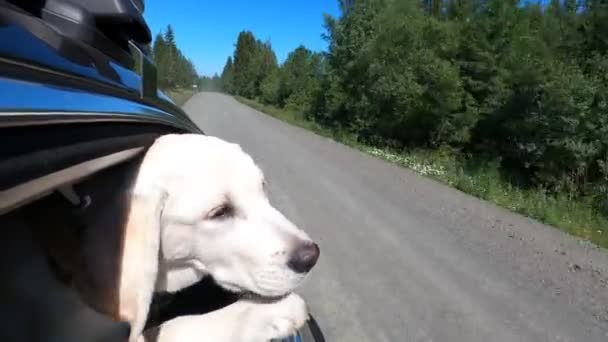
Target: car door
73	123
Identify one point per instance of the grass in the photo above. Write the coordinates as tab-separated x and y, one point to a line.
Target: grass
180	95
577	217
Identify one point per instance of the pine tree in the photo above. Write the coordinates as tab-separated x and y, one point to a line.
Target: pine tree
159	53
245	74
171	61
227	77
263	64
173	68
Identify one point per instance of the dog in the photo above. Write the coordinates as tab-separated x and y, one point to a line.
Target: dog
199	208
192	206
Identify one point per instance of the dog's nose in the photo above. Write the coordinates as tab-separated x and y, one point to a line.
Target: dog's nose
304	257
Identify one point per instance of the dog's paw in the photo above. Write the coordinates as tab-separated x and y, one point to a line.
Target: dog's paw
280	319
288	315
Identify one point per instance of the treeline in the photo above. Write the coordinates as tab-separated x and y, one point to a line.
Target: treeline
253	72
212	83
521	85
174	69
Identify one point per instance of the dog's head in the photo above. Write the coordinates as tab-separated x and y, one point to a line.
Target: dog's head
217	220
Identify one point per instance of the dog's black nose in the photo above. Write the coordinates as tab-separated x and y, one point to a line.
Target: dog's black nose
304	257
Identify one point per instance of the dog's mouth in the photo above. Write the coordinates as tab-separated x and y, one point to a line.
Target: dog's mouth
255	297
244	293
232	287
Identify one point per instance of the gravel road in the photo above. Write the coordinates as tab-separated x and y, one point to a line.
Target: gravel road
404	258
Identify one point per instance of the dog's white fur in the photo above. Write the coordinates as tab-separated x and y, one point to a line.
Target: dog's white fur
175	235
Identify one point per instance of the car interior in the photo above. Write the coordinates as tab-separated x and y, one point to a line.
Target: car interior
54	200
61	167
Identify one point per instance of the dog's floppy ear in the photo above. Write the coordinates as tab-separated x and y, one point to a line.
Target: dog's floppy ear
139	266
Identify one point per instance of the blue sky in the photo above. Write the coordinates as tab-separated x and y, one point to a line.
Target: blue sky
206	30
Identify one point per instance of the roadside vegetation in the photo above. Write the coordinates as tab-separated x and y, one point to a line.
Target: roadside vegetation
503	99
180	95
576	216
176	73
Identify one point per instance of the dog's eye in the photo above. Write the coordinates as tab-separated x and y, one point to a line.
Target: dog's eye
221	212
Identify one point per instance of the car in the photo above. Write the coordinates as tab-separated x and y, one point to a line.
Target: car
79	103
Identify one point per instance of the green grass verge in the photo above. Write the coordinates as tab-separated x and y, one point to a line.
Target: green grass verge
577	217
180	96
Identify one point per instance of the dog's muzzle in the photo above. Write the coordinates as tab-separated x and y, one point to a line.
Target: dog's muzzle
304	258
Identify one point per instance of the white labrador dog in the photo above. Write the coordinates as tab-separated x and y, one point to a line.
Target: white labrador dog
199	208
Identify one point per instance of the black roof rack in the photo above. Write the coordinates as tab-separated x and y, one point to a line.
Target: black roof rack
106	25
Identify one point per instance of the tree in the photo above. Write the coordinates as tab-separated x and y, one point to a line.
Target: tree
270	87
265	65
300	80
212	83
173	68
172	55
595	26
433	7
523	83
159	53
348	37
227	77
244	62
